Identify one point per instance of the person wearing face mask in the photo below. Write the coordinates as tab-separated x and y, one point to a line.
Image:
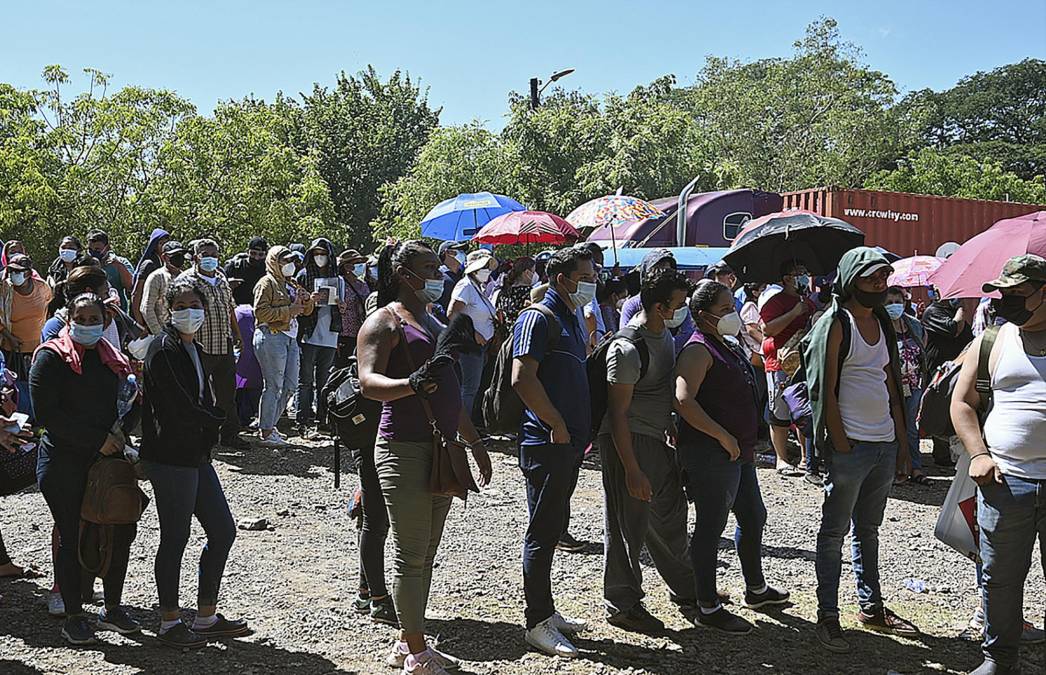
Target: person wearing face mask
659	258
180	427
153	307
514	295
452	255
23	312
68	251
247	268
642	493
717	401
1008	453
279	300
785	317
401	332
117	268
911	346
352	268
468	298
553	387
218	335
853	373
318	334
75	379
149	262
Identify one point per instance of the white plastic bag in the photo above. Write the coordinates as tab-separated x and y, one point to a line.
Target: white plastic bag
957	523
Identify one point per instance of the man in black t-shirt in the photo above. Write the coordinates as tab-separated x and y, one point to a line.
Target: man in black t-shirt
248	268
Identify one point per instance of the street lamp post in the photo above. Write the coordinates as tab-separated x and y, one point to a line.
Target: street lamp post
536	86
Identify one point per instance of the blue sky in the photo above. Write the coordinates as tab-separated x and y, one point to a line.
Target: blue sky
472	54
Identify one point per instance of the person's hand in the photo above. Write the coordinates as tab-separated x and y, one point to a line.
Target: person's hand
984	470
317	297
234	283
729	444
904	463
297	308
113	445
560	435
638	485
482	457
423	380
845	447
12	441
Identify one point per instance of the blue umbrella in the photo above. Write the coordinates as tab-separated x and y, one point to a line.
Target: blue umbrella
458	218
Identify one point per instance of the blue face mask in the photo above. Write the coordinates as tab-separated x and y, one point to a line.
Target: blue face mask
359	269
208	264
895	310
86	335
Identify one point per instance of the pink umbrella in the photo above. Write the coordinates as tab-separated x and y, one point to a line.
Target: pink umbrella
526	227
981	258
914	271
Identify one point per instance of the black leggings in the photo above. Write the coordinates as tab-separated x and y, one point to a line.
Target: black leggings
375	527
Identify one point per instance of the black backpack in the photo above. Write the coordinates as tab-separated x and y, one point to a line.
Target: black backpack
353	416
935	419
501	406
596	370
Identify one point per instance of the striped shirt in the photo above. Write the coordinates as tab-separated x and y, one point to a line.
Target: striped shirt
215	335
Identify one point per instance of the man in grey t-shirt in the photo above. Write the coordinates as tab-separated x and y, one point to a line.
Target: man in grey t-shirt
643	493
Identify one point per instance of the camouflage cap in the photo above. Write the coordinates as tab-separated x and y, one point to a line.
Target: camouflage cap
1017	270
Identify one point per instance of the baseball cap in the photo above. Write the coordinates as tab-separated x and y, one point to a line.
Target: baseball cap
173	247
1017	270
456	245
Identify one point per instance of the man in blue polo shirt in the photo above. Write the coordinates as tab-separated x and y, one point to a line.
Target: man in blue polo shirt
553	385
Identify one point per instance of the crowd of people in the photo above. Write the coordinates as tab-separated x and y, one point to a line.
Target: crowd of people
693	379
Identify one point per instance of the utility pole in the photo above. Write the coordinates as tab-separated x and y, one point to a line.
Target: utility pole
534	102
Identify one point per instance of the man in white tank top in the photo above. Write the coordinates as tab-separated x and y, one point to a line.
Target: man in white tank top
867	447
1008	462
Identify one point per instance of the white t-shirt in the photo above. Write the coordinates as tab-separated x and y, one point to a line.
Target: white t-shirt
749	315
477	306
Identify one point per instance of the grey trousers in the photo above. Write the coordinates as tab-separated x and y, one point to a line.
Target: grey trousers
629	523
416	517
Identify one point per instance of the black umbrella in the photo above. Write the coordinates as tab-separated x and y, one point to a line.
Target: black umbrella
766	243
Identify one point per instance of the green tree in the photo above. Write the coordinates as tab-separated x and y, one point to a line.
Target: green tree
933	172
364	133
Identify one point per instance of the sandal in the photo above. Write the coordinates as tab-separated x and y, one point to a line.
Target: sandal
26	573
790	471
920	479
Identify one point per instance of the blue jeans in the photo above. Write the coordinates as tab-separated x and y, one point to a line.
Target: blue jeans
471	374
911	415
182	492
856	486
551	473
316	363
717	487
278	356
1009	515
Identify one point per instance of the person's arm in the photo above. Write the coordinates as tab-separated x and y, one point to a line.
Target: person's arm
377	338
776	325
960	320
44	376
264	312
123	267
833	417
591	329
628	310
138	293
964	407
150	300
530	343
468	433
904	459
691	369
620	367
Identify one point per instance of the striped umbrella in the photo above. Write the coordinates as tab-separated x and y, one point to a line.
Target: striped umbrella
611	211
914	271
526	227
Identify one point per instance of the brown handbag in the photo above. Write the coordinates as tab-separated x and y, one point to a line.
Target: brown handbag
450	475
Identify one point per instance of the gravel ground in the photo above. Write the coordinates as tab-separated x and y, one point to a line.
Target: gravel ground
295	582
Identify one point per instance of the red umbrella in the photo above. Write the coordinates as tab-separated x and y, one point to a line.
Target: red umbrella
526	227
981	258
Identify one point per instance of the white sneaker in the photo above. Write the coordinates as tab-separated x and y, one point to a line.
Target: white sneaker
428	664
568	625
55	604
397	657
547	638
274	440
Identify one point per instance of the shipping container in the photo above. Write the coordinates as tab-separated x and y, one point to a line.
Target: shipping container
907	224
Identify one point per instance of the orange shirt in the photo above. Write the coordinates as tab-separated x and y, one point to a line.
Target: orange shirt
28	315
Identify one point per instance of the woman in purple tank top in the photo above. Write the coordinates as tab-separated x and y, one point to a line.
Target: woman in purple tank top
408	282
719	414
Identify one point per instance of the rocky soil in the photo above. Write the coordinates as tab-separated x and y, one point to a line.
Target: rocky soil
296	579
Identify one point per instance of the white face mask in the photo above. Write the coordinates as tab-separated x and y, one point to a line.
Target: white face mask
585	293
288	269
187	320
483	276
678	317
729	324
67	254
320	260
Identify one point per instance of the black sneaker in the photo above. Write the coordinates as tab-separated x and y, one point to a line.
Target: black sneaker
116	619
637	620
724	621
568	544
180	637
77	631
362	604
223	628
383	611
830	635
814	478
771	596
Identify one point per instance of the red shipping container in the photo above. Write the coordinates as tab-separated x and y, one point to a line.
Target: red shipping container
907	224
